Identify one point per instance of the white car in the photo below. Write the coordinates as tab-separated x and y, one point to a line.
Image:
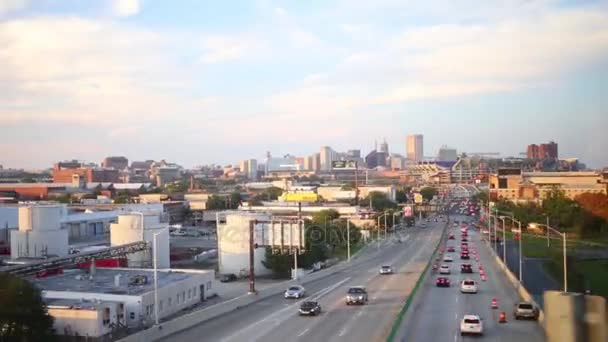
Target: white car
178	232
448	258
444	269
471	325
386	270
295	292
468	286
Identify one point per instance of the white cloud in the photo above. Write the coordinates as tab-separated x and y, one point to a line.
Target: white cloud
125	8
222	48
7	6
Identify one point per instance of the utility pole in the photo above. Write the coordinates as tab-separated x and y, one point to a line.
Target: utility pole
348	237
356	183
295	254
251	256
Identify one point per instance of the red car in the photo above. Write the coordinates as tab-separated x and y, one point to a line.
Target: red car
442	282
466	268
464	256
451	237
451	249
464	239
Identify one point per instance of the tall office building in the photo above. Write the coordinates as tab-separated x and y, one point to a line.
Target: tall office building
447	154
414	148
542	151
327	156
384	147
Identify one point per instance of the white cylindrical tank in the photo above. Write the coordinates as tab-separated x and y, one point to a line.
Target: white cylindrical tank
41	217
129	229
233	244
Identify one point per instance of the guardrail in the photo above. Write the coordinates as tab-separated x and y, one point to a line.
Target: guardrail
408	300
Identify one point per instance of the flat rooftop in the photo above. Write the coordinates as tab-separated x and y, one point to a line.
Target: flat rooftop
79	304
103	281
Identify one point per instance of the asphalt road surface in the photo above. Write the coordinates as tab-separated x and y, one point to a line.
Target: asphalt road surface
277	319
437	313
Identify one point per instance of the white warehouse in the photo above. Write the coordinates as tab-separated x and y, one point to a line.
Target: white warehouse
120	297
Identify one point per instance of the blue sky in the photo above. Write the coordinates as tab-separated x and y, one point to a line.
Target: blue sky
219	81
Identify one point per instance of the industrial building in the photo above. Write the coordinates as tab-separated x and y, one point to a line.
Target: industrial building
134	227
99	302
513	184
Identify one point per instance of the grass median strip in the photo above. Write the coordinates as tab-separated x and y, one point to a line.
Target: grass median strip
408	300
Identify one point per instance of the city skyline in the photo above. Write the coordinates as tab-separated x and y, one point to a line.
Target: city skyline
224	84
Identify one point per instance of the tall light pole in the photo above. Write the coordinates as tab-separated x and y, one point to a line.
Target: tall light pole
564	242
348	237
155	256
504	239
385	224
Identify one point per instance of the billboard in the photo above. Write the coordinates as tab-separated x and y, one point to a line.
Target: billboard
417	198
408	211
344	164
283	235
300	197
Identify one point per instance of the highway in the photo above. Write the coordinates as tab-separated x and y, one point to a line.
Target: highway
437	312
277	319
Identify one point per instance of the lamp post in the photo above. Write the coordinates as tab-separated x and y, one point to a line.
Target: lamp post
155	256
564	241
379	217
348	238
504	239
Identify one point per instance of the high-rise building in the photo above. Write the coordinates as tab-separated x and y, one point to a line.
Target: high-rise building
542	151
375	159
116	162
327	156
532	152
397	162
384	147
414	147
316	162
353	154
447	154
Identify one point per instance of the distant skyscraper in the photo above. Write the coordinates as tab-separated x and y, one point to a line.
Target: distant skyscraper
542	151
327	156
384	147
353	153
414	147
447	154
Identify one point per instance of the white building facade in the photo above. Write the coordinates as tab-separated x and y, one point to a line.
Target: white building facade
134	227
40	233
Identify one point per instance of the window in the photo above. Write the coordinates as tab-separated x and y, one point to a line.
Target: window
169	300
160	305
208	285
189	293
177	299
151	309
132	315
194	291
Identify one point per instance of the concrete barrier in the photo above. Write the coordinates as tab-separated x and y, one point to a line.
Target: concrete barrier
189	320
521	290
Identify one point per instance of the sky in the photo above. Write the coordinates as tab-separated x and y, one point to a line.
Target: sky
198	82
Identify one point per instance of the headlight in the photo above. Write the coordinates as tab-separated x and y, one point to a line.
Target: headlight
360	297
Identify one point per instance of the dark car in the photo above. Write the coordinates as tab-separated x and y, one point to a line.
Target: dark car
464	239
442	282
451	249
466	268
465	256
310	308
451	237
227	278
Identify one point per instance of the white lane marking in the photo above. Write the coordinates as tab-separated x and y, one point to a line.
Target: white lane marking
457	297
342	332
275	317
456	337
303	332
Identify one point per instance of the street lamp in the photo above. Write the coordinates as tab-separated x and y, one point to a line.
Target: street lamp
504	239
348	238
155	256
379	217
564	238
520	238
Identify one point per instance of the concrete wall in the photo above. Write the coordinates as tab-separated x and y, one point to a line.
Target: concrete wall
85	321
39	243
128	229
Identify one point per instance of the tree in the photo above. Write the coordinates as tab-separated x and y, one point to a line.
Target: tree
324	216
273	193
28	179
122	197
23	314
279	264
428	192
216	202
379	201
481	197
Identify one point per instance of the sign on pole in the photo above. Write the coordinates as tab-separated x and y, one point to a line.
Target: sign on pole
344	164
417	198
408	211
300	197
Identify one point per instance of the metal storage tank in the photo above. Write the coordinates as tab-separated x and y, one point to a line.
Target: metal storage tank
40	233
130	228
233	243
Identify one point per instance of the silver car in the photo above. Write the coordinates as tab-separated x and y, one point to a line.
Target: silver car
356	295
386	270
525	310
295	292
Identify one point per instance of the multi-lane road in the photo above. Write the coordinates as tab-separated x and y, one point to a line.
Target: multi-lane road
437	312
277	319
